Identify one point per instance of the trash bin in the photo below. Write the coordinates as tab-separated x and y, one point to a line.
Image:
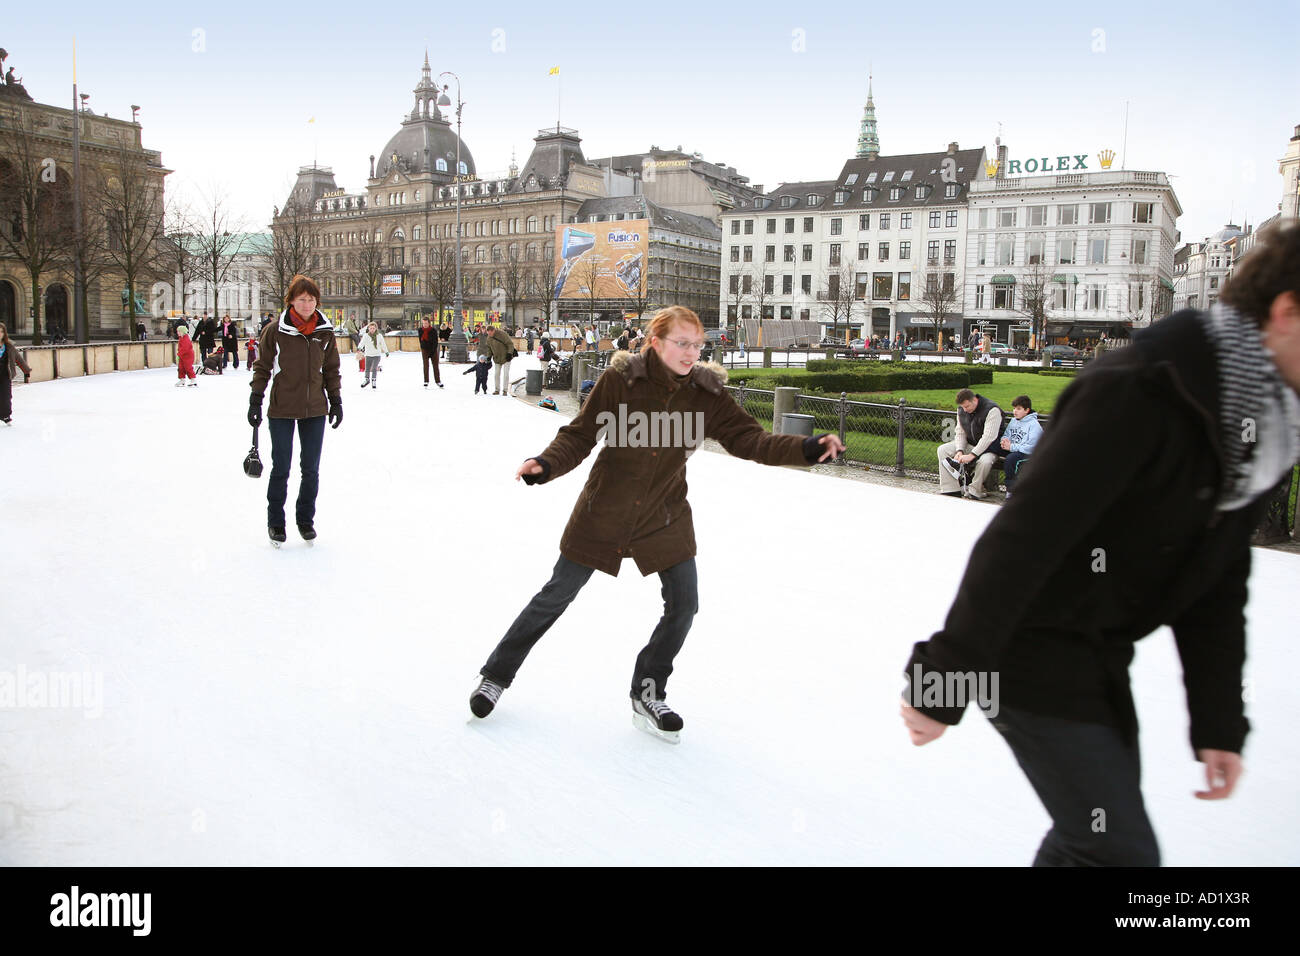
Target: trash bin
1002	360
534	384
794	424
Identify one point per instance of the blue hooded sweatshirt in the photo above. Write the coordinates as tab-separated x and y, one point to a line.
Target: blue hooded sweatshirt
1024	433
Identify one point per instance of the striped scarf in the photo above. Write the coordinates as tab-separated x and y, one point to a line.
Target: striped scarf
1250	392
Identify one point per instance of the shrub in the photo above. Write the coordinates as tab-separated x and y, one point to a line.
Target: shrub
854	377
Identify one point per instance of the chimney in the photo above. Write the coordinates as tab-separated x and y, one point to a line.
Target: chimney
1002	161
1297	133
952	148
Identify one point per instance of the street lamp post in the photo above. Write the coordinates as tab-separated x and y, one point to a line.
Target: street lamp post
458	343
80	332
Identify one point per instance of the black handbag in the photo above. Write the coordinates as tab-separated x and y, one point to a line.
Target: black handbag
253	464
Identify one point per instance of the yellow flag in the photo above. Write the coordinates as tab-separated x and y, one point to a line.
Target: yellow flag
312	120
555	70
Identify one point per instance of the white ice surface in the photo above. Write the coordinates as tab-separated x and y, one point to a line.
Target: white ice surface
309	705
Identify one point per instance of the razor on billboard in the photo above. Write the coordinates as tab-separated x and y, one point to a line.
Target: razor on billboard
609	255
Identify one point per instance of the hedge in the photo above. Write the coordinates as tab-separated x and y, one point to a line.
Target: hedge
880	377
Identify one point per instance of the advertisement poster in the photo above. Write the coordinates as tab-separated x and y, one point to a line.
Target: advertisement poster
610	255
392	285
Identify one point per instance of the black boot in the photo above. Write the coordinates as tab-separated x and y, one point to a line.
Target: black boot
277	536
308	531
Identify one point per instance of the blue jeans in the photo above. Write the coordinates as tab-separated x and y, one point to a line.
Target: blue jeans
311	432
1011	468
655	662
1088	777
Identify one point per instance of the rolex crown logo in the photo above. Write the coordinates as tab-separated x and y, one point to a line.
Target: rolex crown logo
1107	156
991	168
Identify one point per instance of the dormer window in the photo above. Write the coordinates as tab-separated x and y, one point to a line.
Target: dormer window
906	176
787	202
852	178
870	193
813	200
889	176
950	191
871	177
840	196
895	193
441	165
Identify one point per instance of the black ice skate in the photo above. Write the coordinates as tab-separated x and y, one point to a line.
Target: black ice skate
485	697
277	536
308	532
657	718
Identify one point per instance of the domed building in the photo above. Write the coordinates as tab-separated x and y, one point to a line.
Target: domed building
426	142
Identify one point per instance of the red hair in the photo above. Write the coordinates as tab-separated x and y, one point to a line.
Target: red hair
663	321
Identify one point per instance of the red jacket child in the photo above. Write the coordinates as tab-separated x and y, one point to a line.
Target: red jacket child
184	356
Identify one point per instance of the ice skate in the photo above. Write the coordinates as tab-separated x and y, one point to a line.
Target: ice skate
308	532
485	697
657	719
277	536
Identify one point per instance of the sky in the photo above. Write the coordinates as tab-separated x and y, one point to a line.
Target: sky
227	93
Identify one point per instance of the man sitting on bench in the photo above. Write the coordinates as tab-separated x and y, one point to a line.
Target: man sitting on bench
979	430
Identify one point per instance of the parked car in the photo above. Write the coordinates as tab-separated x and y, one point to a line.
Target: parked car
859	346
999	348
715	335
1063	351
923	346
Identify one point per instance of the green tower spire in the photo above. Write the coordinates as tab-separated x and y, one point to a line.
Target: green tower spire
868	142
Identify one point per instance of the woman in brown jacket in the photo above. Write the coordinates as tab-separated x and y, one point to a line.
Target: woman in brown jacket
300	359
10	362
652	410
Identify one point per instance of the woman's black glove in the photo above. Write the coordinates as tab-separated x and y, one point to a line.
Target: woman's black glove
336	411
255	410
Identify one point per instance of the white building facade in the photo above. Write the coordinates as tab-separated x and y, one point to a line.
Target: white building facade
1100	243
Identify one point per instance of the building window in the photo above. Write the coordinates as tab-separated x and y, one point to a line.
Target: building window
932	252
1099	212
1006	251
788	253
441	165
731	313
769	284
1037	215
1144	212
1004	296
1214	282
949	281
1139	252
1096	297
950	218
979	296
808	224
807	253
771	225
884	220
840	196
882	252
735	227
950	191
805	283
904	285
769	254
747	312
949	251
837	227
870	193
787	284
895	193
1068	215
786	311
862	251
981	251
1065	252
789	225
935	218
882	285
749	227
1097	251
904	250
984	218
733	284
864	221
735	253
904	220
835	253
1007	217
746	284
1034	247
749	254
862	285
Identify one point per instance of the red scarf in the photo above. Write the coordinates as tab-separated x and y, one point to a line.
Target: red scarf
305	326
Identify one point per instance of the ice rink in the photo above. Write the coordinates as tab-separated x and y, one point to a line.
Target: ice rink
309	705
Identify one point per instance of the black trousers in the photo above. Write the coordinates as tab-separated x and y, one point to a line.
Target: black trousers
311	433
427	356
1088	778
655	662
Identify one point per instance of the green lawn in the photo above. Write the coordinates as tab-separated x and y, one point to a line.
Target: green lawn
1042	389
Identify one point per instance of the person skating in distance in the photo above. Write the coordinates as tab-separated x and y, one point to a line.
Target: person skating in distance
1107	547
634	503
301	351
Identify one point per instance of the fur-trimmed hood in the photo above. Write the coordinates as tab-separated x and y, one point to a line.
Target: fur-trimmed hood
707	375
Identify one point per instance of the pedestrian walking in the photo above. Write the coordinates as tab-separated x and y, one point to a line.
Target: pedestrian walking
429	350
502	348
305	389
229	342
207	335
10	362
634	503
372	347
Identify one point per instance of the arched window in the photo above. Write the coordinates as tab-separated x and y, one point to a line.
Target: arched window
415	232
547	253
513	252
464	170
496	282
399	235
532	223
338	261
480	254
415	258
379	235
496	254
442	165
530	253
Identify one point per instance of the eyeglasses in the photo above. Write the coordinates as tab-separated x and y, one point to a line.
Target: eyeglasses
685	344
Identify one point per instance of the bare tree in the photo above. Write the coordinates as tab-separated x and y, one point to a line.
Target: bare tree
764	287
938	298
543	294
369	274
36	224
293	240
587	275
218	241
178	249
1034	298
130	197
737	294
441	266
837	299
514	287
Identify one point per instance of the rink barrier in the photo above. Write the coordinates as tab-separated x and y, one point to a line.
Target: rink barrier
51	362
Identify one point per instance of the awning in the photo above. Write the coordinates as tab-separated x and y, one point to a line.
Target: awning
1065	278
1167	284
1057	328
1098	329
1003	280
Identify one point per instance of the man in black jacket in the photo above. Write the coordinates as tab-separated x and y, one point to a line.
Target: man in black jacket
1113	538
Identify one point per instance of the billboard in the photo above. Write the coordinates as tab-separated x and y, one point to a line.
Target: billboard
609	255
392	285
